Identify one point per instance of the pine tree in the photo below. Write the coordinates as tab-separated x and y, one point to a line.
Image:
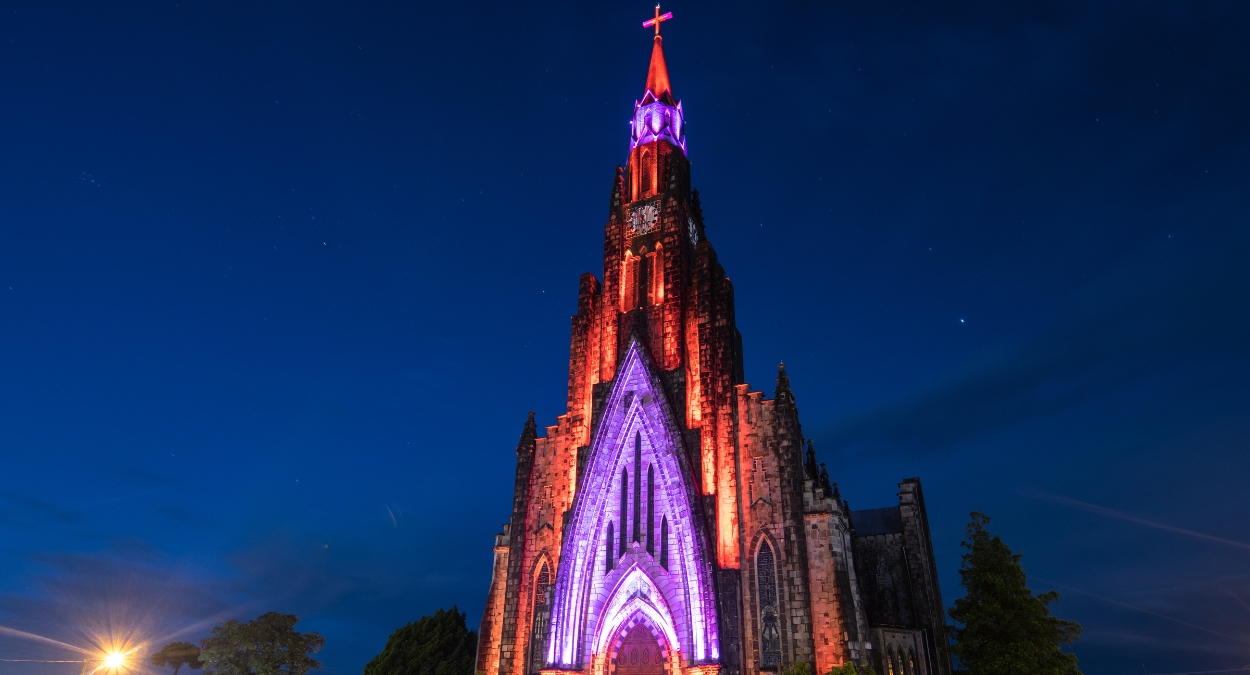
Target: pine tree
433	645
1003	628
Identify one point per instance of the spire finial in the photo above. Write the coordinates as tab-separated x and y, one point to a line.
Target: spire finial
656	20
657	73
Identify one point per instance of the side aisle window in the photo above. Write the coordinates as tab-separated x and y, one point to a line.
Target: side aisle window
542	619
770	629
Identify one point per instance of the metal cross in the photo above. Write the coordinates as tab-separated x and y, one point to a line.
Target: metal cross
656	21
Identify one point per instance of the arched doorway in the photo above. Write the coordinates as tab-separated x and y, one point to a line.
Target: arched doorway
640	653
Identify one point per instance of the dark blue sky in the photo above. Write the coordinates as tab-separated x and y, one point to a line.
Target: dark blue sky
279	283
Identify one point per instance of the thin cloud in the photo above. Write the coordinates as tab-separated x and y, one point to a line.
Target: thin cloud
5	630
122	598
1112	513
1143	610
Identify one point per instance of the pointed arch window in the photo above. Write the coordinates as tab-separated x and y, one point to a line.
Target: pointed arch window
637	486
542	618
611	548
624	510
651	509
766	595
655	276
644	170
664	542
629	281
641	280
625	280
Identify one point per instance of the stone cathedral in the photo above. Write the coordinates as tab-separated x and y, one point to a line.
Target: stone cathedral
674	521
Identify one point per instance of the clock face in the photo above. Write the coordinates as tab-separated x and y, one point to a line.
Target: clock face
643	219
694	231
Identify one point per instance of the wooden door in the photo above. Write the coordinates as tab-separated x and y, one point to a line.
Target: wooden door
640	654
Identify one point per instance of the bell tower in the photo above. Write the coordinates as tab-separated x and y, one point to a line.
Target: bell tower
663	286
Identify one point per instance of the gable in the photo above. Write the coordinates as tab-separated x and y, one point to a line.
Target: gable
635	516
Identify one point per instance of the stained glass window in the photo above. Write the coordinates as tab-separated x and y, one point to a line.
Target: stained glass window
542	619
770	628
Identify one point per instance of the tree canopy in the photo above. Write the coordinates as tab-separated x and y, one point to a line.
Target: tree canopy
178	654
1003	629
849	668
432	645
269	645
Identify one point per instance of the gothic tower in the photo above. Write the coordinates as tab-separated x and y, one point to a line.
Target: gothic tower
669	521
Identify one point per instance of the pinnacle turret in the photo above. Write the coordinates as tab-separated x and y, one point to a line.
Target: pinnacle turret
528	433
810	464
783	384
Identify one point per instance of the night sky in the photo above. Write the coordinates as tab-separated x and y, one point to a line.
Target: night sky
279	284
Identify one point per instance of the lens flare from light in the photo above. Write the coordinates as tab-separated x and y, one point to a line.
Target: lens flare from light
115	660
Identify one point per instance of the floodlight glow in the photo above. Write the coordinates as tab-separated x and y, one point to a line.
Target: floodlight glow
593	604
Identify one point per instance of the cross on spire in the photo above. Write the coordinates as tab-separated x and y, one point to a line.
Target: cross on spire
657	19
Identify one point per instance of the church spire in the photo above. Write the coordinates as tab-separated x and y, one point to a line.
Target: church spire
657	74
658	116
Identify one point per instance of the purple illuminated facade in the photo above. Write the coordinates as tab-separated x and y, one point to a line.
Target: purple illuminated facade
657	121
634	549
673	520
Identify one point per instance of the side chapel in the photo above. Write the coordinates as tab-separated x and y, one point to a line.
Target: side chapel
674	521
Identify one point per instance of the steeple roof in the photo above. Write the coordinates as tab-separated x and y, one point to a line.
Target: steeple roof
657	75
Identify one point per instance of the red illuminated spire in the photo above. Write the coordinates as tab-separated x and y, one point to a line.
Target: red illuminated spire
657	74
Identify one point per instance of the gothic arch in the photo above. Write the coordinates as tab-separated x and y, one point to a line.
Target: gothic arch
629	279
536	570
542	580
645	172
664	653
636	598
759	539
655	294
637	428
765	566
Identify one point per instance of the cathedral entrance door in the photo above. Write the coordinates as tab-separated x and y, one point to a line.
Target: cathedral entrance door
639	654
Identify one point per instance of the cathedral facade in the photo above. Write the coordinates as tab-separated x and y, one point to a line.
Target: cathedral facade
674	521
